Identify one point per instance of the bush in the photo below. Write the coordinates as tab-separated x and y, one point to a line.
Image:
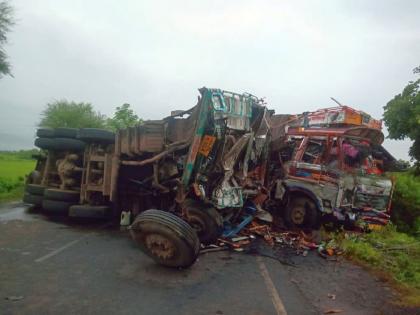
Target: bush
396	253
7	185
406	203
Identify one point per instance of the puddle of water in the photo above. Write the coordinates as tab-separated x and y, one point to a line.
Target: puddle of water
21	212
17	212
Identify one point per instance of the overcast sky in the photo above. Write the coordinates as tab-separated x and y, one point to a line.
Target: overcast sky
155	54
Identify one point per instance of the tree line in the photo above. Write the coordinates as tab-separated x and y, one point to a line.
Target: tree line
69	114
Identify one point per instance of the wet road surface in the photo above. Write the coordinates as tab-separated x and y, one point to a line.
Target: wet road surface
56	266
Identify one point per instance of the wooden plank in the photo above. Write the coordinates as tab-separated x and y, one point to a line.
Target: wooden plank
107	175
94	188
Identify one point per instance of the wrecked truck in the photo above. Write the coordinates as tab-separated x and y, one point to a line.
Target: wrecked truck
206	172
330	164
205	167
187	179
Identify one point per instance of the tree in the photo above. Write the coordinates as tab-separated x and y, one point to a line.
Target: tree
6	22
123	117
402	116
70	114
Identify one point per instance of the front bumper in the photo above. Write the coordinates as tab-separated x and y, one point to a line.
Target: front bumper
362	218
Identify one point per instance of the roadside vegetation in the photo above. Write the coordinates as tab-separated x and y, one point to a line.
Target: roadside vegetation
68	114
6	22
394	251
14	165
406	203
392	254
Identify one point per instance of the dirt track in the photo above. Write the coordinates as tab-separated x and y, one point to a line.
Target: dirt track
56	266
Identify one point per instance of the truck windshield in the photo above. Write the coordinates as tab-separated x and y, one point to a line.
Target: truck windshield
359	154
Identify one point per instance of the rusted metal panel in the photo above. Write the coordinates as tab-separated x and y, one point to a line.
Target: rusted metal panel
124	141
152	136
133	140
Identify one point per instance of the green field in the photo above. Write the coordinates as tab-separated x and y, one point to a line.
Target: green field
13	168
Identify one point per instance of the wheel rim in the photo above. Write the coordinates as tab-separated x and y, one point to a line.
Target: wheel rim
160	246
298	214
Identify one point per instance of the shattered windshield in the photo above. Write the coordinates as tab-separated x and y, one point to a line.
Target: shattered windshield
359	154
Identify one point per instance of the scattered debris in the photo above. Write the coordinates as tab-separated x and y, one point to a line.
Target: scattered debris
331	296
333	311
14	298
213	248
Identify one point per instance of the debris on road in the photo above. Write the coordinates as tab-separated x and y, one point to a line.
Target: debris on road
14	298
333	311
331	296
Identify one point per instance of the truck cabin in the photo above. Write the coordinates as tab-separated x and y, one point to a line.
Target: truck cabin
349	149
334	170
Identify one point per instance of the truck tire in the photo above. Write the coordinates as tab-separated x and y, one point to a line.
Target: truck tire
205	220
166	238
33	177
300	212
88	211
56	207
66	132
35	200
96	135
62	195
45	133
67	144
44	143
60	144
35	189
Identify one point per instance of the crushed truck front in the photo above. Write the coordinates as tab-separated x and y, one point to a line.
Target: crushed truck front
334	171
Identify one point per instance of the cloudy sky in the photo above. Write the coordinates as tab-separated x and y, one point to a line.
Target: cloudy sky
155	54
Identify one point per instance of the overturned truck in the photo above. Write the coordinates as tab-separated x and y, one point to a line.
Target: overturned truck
204	173
200	166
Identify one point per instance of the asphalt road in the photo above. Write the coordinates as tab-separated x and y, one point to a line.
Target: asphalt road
56	266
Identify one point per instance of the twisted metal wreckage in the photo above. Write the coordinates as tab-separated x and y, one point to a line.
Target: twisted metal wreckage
212	169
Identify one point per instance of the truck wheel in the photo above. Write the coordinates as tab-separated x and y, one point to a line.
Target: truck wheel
44	143
34	177
301	212
206	221
166	238
34	189
62	195
88	211
35	200
96	135
60	144
45	133
64	144
65	132
56	207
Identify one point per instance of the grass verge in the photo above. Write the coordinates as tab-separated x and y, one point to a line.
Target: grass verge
395	255
13	168
12	195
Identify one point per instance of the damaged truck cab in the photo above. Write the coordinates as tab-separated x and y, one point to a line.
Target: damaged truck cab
334	170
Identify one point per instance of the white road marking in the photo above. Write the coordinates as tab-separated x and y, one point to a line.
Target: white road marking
275	297
70	244
58	250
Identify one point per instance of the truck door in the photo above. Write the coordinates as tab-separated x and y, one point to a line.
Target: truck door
312	167
309	160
